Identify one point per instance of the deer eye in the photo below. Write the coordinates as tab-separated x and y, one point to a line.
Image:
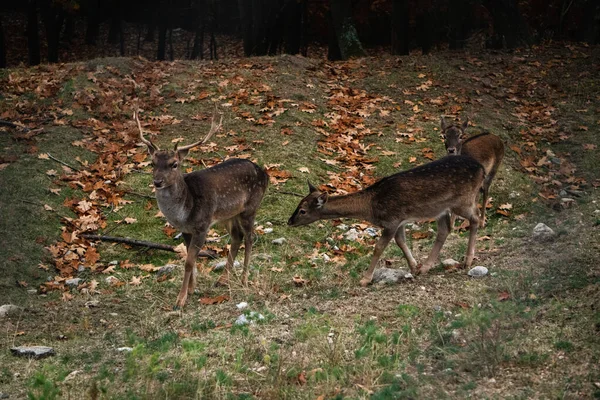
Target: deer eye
302	212
174	165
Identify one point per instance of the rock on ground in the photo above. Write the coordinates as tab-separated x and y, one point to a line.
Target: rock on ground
166	269
389	275
33	351
9	310
221	264
478	271
543	232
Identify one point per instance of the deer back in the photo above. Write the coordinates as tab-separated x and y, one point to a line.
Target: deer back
427	191
486	148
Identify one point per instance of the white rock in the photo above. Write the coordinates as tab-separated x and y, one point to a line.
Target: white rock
111	279
249	318
389	275
542	232
124	349
33	351
478	271
342	227
351	234
241	305
449	262
281	240
326	258
166	269
73	282
221	264
371	232
92	303
9	310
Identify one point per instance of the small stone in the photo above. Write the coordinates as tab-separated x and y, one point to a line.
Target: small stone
81	268
279	241
113	262
371	232
448	263
221	264
478	271
351	235
268	230
4	395
342	227
269	224
166	269
33	351
563	193
241	305
513	195
326	258
32	291
437	308
389	275
10	310
124	349
249	318
543	232
92	303
73	282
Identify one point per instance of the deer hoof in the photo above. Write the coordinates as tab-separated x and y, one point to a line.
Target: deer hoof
364	282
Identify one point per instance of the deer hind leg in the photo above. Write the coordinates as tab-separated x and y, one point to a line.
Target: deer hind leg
472	215
400	238
235	231
443	229
485	189
196	241
248	228
382	243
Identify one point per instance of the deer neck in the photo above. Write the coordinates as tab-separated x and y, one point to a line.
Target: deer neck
355	205
175	202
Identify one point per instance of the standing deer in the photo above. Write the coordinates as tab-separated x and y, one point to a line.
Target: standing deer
485	148
229	192
433	190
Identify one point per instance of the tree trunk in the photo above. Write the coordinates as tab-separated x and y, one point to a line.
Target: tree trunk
115	23
589	30
400	27
459	23
333	48
345	32
52	30
198	49
425	31
292	15
93	22
33	37
245	8
510	29
2	46
275	27
69	28
259	27
162	32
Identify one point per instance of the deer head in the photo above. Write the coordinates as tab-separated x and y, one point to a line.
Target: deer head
166	163
310	207
453	135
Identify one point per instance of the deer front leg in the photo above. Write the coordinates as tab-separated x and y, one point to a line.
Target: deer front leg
382	243
189	276
473	225
401	242
443	229
248	228
485	189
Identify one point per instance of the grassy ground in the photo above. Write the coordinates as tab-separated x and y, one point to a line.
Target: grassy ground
528	330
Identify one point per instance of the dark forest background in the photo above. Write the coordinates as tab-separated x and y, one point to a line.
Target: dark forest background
35	31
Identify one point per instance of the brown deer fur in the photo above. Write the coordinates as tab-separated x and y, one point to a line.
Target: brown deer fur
485	148
229	192
450	184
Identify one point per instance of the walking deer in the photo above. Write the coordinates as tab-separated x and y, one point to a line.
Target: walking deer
229	192
485	148
433	190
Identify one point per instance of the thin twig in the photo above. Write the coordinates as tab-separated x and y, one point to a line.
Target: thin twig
144	243
290	193
13	125
62	162
147	196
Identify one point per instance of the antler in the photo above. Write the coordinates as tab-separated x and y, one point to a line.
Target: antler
144	140
213	128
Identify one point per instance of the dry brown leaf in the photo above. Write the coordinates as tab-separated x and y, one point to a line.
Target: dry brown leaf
48	208
135	281
214	300
503	296
420	235
299	281
304	170
130	220
148	267
43	156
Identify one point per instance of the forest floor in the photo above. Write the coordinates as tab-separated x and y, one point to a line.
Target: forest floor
529	329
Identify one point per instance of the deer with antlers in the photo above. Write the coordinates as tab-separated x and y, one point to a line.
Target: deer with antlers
229	193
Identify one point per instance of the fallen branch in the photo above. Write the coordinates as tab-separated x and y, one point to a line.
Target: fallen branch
143	243
13	125
62	162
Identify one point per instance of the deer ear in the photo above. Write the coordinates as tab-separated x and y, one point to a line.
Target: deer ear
322	199
465	124
443	123
180	154
311	188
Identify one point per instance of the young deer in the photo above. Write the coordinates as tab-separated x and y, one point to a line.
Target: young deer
229	192
486	148
450	184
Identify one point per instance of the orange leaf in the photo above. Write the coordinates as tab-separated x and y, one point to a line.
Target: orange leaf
214	300
503	296
91	256
299	281
420	235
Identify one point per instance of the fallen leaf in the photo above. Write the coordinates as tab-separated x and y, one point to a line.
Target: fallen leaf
462	304
51	172
302	378
412	159
130	220
55	191
304	170
275	269
299	281
589	146
420	235
484	238
505	206
109	270
66	296
503	296
135	281
214	300
43	156
148	267
48	208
